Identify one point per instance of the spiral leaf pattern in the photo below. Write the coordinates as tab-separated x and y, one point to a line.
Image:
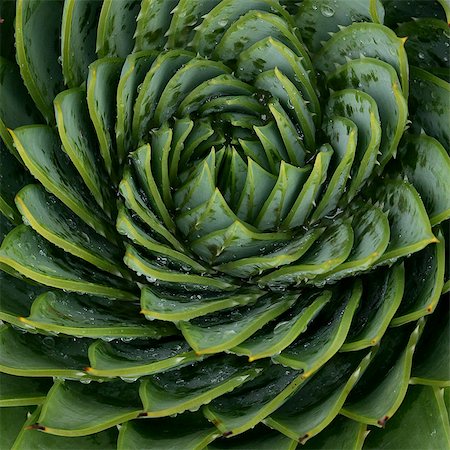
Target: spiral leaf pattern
224	224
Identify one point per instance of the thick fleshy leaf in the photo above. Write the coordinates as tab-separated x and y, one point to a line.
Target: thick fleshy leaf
317	22
260	437
424	279
11	422
341	433
421	423
17	295
161	272
102	84
181	305
362	110
307	412
383	291
87	316
281	332
284	254
40	149
383	386
427	165
16	106
76	409
408	220
78	36
38	58
247	405
325	335
56	223
342	134
331	249
369	40
116	26
431	363
380	81
21	391
223	330
72	115
152	24
31	255
190	387
187	432
131	359
427	106
29	437
35	355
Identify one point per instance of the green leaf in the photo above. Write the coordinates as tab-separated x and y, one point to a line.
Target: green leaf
269	53
132	76
249	404
340	433
424	281
311	189
380	81
223	330
280	200
428	109
21	391
57	224
87	316
152	24
342	134
371	238
427	165
431	363
31	255
329	251
260	437
383	386
190	387
317	22
116	27
156	79
16	106
16	297
92	408
187	432
280	333
29	438
160	272
320	398
325	335
210	31
101	91
421	423
35	355
362	110
11	423
284	253
181	305
369	40
72	115
78	36
38	58
408	220
383	292
40	150
131	359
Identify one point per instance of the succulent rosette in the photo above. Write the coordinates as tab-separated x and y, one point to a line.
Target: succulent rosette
224	224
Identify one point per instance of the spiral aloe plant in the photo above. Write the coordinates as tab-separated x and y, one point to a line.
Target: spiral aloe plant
224	224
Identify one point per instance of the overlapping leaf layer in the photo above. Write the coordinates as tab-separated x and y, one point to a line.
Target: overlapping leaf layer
224	224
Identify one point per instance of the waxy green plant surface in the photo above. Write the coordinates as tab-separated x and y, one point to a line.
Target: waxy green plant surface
224	224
